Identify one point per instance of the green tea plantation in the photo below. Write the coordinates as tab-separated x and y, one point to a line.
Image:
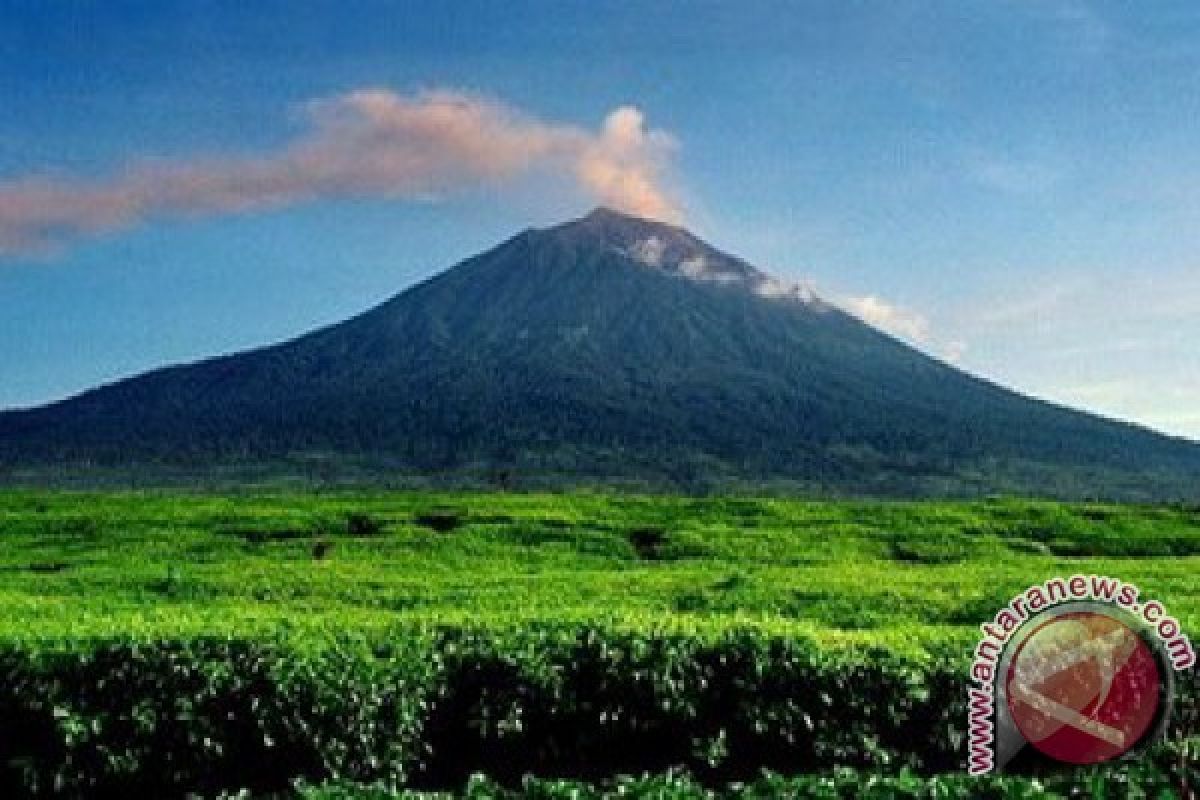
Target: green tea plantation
396	644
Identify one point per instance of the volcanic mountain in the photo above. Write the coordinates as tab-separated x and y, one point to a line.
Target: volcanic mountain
610	348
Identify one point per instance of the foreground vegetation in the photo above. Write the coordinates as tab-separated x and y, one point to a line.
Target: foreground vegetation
156	644
167	718
901	575
1168	773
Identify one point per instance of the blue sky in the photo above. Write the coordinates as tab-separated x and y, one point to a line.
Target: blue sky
1013	186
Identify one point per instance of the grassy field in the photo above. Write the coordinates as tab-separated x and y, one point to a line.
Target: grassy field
901	574
666	597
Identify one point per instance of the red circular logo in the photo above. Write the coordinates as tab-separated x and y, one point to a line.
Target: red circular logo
1083	687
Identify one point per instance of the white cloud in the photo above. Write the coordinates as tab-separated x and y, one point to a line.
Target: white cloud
904	323
889	318
776	287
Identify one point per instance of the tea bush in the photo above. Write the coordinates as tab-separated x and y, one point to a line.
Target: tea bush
430	709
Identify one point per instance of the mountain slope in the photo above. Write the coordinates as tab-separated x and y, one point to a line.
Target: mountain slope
608	347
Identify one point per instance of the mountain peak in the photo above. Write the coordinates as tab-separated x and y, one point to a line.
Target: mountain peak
672	249
618	225
607	215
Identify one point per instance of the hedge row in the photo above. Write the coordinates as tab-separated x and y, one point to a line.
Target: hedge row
429	710
1169	772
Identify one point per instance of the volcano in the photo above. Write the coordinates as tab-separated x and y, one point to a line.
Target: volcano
608	349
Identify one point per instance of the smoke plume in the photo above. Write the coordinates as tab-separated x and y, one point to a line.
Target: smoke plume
365	143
